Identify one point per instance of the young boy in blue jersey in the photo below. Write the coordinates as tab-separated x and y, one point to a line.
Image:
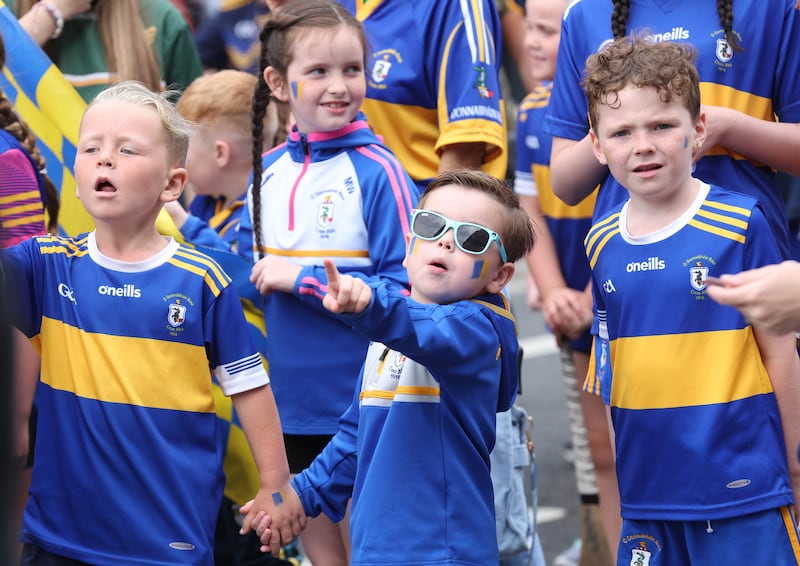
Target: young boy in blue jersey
705	406
413	448
130	326
218	162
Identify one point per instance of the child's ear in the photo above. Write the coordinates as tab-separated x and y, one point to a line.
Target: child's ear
175	184
277	84
598	151
501	278
700	131
222	153
408	250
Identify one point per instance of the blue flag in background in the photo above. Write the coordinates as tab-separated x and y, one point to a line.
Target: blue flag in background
52	108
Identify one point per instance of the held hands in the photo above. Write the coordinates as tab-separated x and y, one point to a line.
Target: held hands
282	509
568	312
346	294
272	273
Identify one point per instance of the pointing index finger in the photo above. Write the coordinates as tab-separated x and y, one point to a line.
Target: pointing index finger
333	276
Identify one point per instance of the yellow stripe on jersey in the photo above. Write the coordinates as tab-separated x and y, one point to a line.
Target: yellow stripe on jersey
467	131
480	30
791	529
729	234
735	222
599	236
64	247
199	264
727	208
704	379
553	206
538	98
364	9
384	117
409	390
746	102
121	369
504	312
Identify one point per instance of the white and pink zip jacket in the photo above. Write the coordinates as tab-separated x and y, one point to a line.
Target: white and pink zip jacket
342	195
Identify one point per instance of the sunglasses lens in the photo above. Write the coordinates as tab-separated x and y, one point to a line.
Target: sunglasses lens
473	238
428	225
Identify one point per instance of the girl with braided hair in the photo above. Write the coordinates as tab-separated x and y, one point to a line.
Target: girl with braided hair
749	72
333	190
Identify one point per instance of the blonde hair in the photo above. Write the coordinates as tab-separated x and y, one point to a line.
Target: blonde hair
177	129
126	44
222	100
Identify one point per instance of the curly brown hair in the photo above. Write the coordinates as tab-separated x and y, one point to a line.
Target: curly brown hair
640	62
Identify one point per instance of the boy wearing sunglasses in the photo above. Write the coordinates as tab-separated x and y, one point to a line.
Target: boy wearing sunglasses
413	448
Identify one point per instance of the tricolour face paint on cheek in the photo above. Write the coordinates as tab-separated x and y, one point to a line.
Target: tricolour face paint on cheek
412	246
479	269
297	89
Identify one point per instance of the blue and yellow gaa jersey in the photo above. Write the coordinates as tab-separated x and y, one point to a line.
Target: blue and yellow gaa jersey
433	80
128	469
698	432
762	81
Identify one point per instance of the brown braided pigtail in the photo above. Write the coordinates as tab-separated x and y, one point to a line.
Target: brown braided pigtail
725	11
619	18
260	101
276	38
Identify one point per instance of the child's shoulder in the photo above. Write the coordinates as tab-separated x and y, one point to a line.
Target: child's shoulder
730	197
201	264
60	244
538	97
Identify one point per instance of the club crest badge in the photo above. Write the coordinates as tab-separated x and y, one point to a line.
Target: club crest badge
380	70
325	212
640	556
176	314
724	51
698	274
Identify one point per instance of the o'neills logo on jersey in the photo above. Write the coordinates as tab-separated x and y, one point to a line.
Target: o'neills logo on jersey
651	264
676	34
124	291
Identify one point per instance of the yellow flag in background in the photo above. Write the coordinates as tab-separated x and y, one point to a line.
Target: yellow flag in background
51	107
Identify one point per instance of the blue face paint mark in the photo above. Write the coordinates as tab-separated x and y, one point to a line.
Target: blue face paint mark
297	89
686	142
477	269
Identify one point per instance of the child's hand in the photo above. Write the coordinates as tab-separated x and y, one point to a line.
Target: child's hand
278	522
176	212
345	293
273	273
566	313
